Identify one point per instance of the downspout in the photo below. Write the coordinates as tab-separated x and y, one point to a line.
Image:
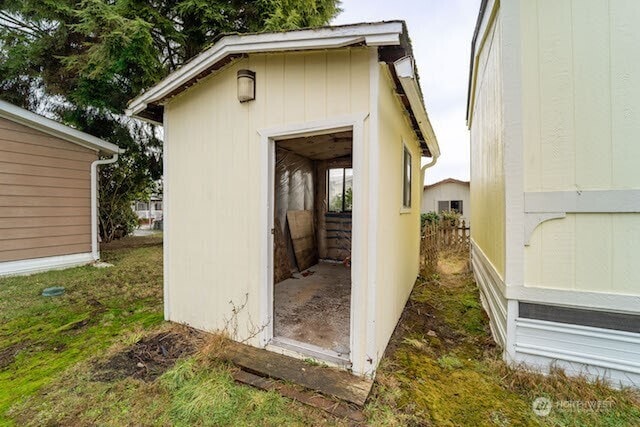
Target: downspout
406	72
95	248
424	168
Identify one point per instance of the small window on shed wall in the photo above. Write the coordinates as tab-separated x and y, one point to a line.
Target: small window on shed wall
406	179
443	205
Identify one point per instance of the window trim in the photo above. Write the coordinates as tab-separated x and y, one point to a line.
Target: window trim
404	209
449	208
344	189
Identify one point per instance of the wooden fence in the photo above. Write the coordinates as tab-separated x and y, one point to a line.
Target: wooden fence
429	249
445	235
454	235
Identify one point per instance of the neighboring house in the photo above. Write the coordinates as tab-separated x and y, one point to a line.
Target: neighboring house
48	194
150	210
554	113
254	128
447	195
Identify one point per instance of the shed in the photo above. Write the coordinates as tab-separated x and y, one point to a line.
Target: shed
48	192
555	189
447	195
292	185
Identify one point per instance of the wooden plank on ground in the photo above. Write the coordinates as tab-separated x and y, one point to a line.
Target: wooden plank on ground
328	381
303	237
336	408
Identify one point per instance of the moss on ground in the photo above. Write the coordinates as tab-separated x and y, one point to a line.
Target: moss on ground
41	337
441	367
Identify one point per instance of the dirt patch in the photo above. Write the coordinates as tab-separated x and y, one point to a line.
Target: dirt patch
150	357
8	355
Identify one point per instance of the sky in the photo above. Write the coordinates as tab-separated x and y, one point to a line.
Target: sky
440	32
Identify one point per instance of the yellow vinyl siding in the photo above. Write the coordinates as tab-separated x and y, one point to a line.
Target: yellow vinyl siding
487	153
214	175
45	194
581	119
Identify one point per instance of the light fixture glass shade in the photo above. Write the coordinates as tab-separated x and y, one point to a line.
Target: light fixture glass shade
246	85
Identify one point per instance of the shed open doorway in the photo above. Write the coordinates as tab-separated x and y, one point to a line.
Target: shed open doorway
313	200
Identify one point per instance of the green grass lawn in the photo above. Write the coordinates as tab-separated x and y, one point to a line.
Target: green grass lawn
441	368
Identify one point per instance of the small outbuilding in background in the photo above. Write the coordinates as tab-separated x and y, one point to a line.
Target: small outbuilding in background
448	195
292	188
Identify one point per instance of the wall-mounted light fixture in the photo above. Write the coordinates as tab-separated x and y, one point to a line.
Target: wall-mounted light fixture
246	85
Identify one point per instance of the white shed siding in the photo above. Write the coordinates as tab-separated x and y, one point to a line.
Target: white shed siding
447	191
581	121
215	166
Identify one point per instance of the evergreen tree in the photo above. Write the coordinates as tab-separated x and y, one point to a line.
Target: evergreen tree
81	61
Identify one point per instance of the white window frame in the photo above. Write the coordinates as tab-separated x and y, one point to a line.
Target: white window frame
406	209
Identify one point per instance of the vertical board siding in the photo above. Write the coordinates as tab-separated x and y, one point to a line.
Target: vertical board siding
45	194
556	94
487	154
398	232
215	176
580	62
592	94
625	91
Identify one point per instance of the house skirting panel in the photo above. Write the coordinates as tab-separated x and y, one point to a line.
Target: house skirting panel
491	293
36	265
580	350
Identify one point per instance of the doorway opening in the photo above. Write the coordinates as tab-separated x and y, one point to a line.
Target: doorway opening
313	200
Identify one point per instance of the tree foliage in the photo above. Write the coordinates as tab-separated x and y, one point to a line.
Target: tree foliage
81	61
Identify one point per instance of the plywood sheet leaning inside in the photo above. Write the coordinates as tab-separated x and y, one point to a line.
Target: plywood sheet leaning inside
281	265
302	231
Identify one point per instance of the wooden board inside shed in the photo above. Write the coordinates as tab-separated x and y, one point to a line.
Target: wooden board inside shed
281	266
303	238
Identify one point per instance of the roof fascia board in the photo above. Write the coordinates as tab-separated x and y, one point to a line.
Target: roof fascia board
383	34
53	128
405	70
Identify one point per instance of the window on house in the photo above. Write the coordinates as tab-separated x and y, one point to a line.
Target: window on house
406	179
157	206
142	206
450	205
340	191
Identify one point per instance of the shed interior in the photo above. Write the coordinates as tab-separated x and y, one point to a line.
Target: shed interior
312	242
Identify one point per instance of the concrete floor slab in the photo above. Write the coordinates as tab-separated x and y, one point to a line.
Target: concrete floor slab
315	309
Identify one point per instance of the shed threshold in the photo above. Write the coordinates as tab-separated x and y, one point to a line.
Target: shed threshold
303	350
328	381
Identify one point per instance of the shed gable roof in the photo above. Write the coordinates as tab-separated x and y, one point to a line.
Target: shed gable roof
446	181
53	128
390	36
